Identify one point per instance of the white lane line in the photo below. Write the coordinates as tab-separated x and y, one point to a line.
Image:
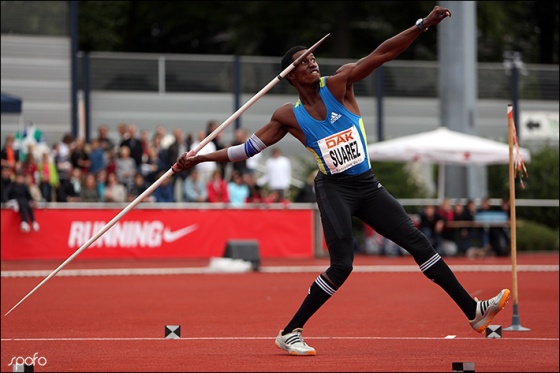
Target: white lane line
269	269
255	338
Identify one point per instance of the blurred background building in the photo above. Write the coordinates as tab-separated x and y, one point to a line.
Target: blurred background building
62	88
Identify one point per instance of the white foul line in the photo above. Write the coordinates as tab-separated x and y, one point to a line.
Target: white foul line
268	269
255	338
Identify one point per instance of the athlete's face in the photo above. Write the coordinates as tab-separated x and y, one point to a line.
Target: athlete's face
307	71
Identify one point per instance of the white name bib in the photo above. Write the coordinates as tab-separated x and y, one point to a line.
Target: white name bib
342	150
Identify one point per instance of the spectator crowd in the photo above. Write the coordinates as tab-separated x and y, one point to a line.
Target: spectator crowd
460	229
119	169
477	233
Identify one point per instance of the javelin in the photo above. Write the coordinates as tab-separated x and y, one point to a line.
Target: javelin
169	172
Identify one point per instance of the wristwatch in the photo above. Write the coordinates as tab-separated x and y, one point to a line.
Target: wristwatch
420	24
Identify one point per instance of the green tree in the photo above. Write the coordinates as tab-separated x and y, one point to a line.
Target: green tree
541	183
268	28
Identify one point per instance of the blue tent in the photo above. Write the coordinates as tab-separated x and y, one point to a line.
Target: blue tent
11	104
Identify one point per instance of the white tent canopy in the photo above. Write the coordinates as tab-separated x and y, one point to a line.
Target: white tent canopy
444	147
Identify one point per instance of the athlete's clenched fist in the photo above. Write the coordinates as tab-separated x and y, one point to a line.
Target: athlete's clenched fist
185	161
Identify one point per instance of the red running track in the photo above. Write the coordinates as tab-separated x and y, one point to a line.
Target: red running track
379	320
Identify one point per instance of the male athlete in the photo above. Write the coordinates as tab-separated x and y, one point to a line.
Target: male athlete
326	120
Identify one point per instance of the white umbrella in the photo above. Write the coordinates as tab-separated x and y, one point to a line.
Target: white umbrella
444	146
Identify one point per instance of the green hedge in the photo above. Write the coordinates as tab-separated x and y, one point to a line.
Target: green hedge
533	236
542	183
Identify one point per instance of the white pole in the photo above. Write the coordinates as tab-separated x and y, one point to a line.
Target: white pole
441	181
169	172
515	321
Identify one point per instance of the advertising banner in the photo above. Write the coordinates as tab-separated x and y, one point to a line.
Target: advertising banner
158	233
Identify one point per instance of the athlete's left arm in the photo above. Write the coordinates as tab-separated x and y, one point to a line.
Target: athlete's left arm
389	49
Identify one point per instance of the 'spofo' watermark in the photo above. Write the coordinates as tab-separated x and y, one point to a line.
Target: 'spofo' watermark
29	360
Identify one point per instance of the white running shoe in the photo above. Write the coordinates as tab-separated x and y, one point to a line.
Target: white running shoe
293	343
487	309
25	227
35	226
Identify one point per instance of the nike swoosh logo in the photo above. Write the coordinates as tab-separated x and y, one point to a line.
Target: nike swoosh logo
169	236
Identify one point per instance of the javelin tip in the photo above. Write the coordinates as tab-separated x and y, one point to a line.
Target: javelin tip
6	314
313	47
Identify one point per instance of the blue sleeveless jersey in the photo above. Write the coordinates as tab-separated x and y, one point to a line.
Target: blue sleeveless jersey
339	142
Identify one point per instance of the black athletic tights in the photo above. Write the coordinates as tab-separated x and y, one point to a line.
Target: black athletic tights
340	197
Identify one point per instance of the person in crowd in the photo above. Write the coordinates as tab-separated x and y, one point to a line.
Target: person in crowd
469	213
62	162
79	155
159	157
111	162
132	141
499	236
166	138
65	145
104	140
206	170
238	191
125	167
431	224
114	191
6	181
10	155
278	174
101	183
124	135
217	188
444	210
327	121
194	189
448	245
274	196
176	148
19	191
139	186
165	192
256	193
34	190
484	232
69	189
89	192
189	140
211	126
145	141
150	167
29	165
48	176
462	235
97	157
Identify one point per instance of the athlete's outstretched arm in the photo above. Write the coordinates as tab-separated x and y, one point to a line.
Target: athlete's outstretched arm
390	48
267	135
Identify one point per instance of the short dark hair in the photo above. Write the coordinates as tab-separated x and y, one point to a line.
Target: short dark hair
289	57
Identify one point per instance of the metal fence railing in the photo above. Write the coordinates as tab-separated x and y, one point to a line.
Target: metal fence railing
220	74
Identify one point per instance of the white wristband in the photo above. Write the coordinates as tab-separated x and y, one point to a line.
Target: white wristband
241	152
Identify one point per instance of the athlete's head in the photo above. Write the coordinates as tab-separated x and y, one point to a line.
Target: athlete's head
289	58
